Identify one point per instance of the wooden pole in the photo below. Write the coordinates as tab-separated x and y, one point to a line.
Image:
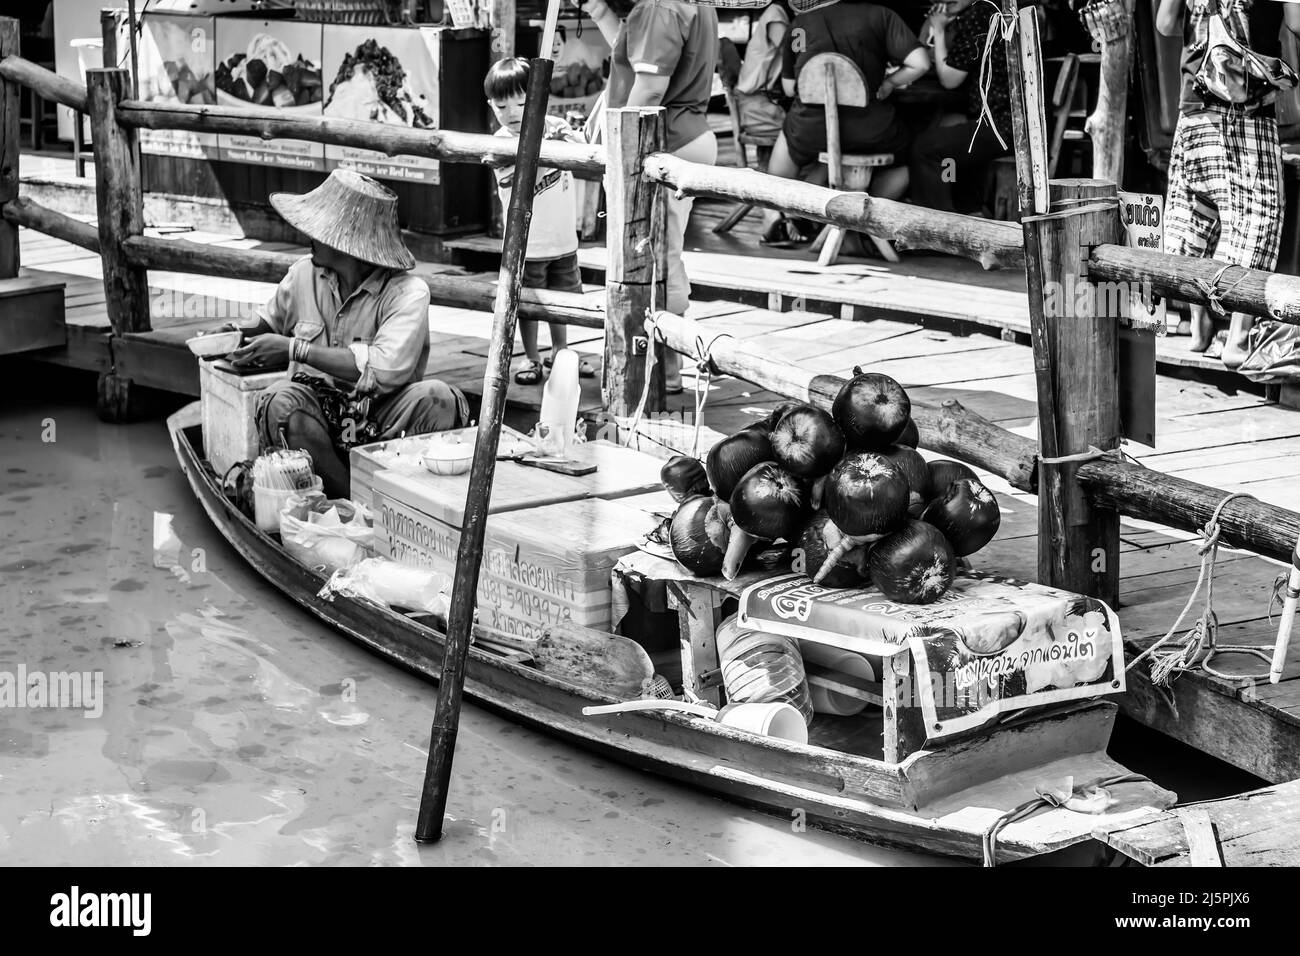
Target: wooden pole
10	105
496	380
1076	352
636	273
1078	543
108	19
50	85
120	206
1111	26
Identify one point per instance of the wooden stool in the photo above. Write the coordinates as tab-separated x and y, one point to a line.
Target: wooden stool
855	177
832	79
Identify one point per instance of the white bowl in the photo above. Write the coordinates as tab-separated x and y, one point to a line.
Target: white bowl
448	458
215	344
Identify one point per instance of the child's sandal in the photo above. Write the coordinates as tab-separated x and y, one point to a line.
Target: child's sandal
530	374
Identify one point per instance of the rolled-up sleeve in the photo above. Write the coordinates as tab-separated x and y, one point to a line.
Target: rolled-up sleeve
278	312
656	35
401	336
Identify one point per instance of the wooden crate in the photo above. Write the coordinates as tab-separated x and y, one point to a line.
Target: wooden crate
541	565
229	432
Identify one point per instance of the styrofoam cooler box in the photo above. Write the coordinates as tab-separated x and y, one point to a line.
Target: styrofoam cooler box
541	565
619	472
365	461
229	432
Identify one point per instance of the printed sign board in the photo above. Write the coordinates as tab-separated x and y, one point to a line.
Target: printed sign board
270	64
384	75
1142	215
176	62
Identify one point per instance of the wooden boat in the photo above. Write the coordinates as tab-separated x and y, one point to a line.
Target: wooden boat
942	801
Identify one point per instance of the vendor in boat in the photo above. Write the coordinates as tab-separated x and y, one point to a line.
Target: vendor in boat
352	322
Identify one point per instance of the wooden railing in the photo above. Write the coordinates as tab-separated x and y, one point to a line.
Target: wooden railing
1076	238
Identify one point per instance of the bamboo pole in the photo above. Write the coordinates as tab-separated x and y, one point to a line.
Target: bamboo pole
10	138
992	244
496	378
635	276
585	162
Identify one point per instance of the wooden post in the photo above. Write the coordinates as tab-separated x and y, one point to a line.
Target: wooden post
636	274
1111	26
9	142
1078	544
120	205
108	32
1075	340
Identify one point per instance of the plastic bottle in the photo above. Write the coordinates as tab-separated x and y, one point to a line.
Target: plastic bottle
759	668
560	400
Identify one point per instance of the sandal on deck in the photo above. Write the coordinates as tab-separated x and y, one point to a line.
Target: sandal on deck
585	368
783	234
529	374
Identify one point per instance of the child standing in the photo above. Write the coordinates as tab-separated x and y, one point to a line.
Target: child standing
551	259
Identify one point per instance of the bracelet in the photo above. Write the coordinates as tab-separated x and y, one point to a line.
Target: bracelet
298	350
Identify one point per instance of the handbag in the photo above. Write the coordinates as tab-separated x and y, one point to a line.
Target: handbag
1234	73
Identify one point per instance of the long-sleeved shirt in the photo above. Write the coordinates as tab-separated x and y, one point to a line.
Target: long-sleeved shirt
385	322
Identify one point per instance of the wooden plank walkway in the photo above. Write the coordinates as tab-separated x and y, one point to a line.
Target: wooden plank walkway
1260	828
1235	440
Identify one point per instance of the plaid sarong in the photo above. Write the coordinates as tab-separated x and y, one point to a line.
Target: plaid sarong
1225	187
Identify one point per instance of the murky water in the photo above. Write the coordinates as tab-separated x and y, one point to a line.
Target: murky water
238	730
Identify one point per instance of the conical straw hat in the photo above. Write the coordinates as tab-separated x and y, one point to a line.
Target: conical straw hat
351	213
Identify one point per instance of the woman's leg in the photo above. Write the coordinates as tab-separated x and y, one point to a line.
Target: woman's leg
1254	223
1196	173
782	164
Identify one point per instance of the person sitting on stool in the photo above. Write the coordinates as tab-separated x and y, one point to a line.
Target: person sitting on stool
352	321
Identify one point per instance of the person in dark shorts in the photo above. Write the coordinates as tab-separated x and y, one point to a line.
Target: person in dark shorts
551	259
874	38
959	153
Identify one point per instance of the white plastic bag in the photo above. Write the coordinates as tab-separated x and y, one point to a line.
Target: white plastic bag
326	534
393	585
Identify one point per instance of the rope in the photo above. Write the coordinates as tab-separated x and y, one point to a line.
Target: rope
1067	213
986	71
1044	800
653	335
1091	454
1199	644
1213	294
704	368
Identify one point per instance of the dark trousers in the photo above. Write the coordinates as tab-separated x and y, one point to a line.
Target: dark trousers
944	162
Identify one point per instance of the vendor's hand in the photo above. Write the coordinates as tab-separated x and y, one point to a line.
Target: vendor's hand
886	87
262	351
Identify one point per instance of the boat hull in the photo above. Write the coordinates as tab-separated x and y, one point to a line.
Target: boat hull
858	796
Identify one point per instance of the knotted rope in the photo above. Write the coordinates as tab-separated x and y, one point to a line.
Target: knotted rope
1044	800
1008	23
1213	294
704	370
1199	645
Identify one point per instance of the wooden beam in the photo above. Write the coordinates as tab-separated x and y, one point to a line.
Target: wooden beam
638	261
1254	291
992	244
25	212
585	162
9	149
119	201
48	84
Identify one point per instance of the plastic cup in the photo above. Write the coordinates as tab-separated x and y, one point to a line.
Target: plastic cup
776	719
824	700
269	502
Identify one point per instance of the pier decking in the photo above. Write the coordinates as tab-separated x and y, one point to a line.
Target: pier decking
1239	441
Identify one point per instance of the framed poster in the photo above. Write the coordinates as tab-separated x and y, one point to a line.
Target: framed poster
581	65
270	64
386	75
176	61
